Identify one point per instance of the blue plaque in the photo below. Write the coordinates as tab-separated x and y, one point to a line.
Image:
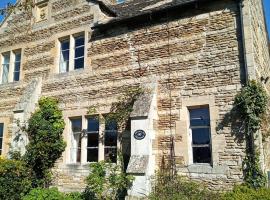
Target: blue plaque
139	134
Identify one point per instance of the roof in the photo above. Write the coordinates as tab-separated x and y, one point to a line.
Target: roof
132	8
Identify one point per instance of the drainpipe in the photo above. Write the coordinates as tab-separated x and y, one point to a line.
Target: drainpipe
240	6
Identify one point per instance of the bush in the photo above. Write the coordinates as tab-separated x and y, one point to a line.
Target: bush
247	193
179	188
106	181
42	194
50	194
14	179
46	144
75	196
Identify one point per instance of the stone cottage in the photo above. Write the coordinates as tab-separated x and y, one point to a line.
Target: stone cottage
192	56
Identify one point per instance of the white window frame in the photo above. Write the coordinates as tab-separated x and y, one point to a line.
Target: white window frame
84	147
12	62
72	48
190	133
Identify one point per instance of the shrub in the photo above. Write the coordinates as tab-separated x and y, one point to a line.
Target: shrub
179	188
247	193
46	144
47	193
106	181
14	179
75	196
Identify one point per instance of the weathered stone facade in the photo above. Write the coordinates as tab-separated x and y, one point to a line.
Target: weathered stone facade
195	57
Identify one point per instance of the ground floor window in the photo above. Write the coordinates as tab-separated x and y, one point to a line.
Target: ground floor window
200	134
92	140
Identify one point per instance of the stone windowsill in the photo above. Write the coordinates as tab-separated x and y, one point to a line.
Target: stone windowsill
207	169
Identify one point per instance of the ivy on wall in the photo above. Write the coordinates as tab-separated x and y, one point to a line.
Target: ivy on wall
251	104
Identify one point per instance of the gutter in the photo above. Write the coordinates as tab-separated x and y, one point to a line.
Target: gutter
240	6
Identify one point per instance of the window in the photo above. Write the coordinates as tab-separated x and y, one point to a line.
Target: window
87	142
76	127
11	66
110	141
1	137
92	139
200	130
72	50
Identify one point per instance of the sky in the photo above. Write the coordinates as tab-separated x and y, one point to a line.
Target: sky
266	8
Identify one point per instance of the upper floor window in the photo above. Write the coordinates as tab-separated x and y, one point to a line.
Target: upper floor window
11	66
201	135
1	137
72	53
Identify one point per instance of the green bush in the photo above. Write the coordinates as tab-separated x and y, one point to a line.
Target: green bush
247	193
75	196
179	188
51	194
46	144
106	181
14	179
45	194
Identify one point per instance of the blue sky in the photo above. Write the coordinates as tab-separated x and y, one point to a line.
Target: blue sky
266	5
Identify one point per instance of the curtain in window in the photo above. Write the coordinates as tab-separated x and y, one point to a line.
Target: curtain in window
64	57
5	68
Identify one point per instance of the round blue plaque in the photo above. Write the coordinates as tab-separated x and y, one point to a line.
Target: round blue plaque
139	134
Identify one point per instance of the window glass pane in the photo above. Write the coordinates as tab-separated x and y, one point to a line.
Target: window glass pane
93	124
201	136
16	76
79	41
64	55
6	58
92	155
76	125
92	140
1	130
17	66
64	61
110	125
199	117
79	52
65	45
79	63
111	154
1	143
5	73
201	155
18	57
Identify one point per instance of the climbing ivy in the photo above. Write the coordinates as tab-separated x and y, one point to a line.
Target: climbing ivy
251	104
122	108
46	144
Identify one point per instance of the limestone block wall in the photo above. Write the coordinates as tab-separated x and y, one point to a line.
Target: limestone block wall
195	56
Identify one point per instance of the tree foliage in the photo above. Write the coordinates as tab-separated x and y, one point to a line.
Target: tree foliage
46	145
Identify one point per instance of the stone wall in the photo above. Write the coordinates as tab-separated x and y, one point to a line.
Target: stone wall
193	57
